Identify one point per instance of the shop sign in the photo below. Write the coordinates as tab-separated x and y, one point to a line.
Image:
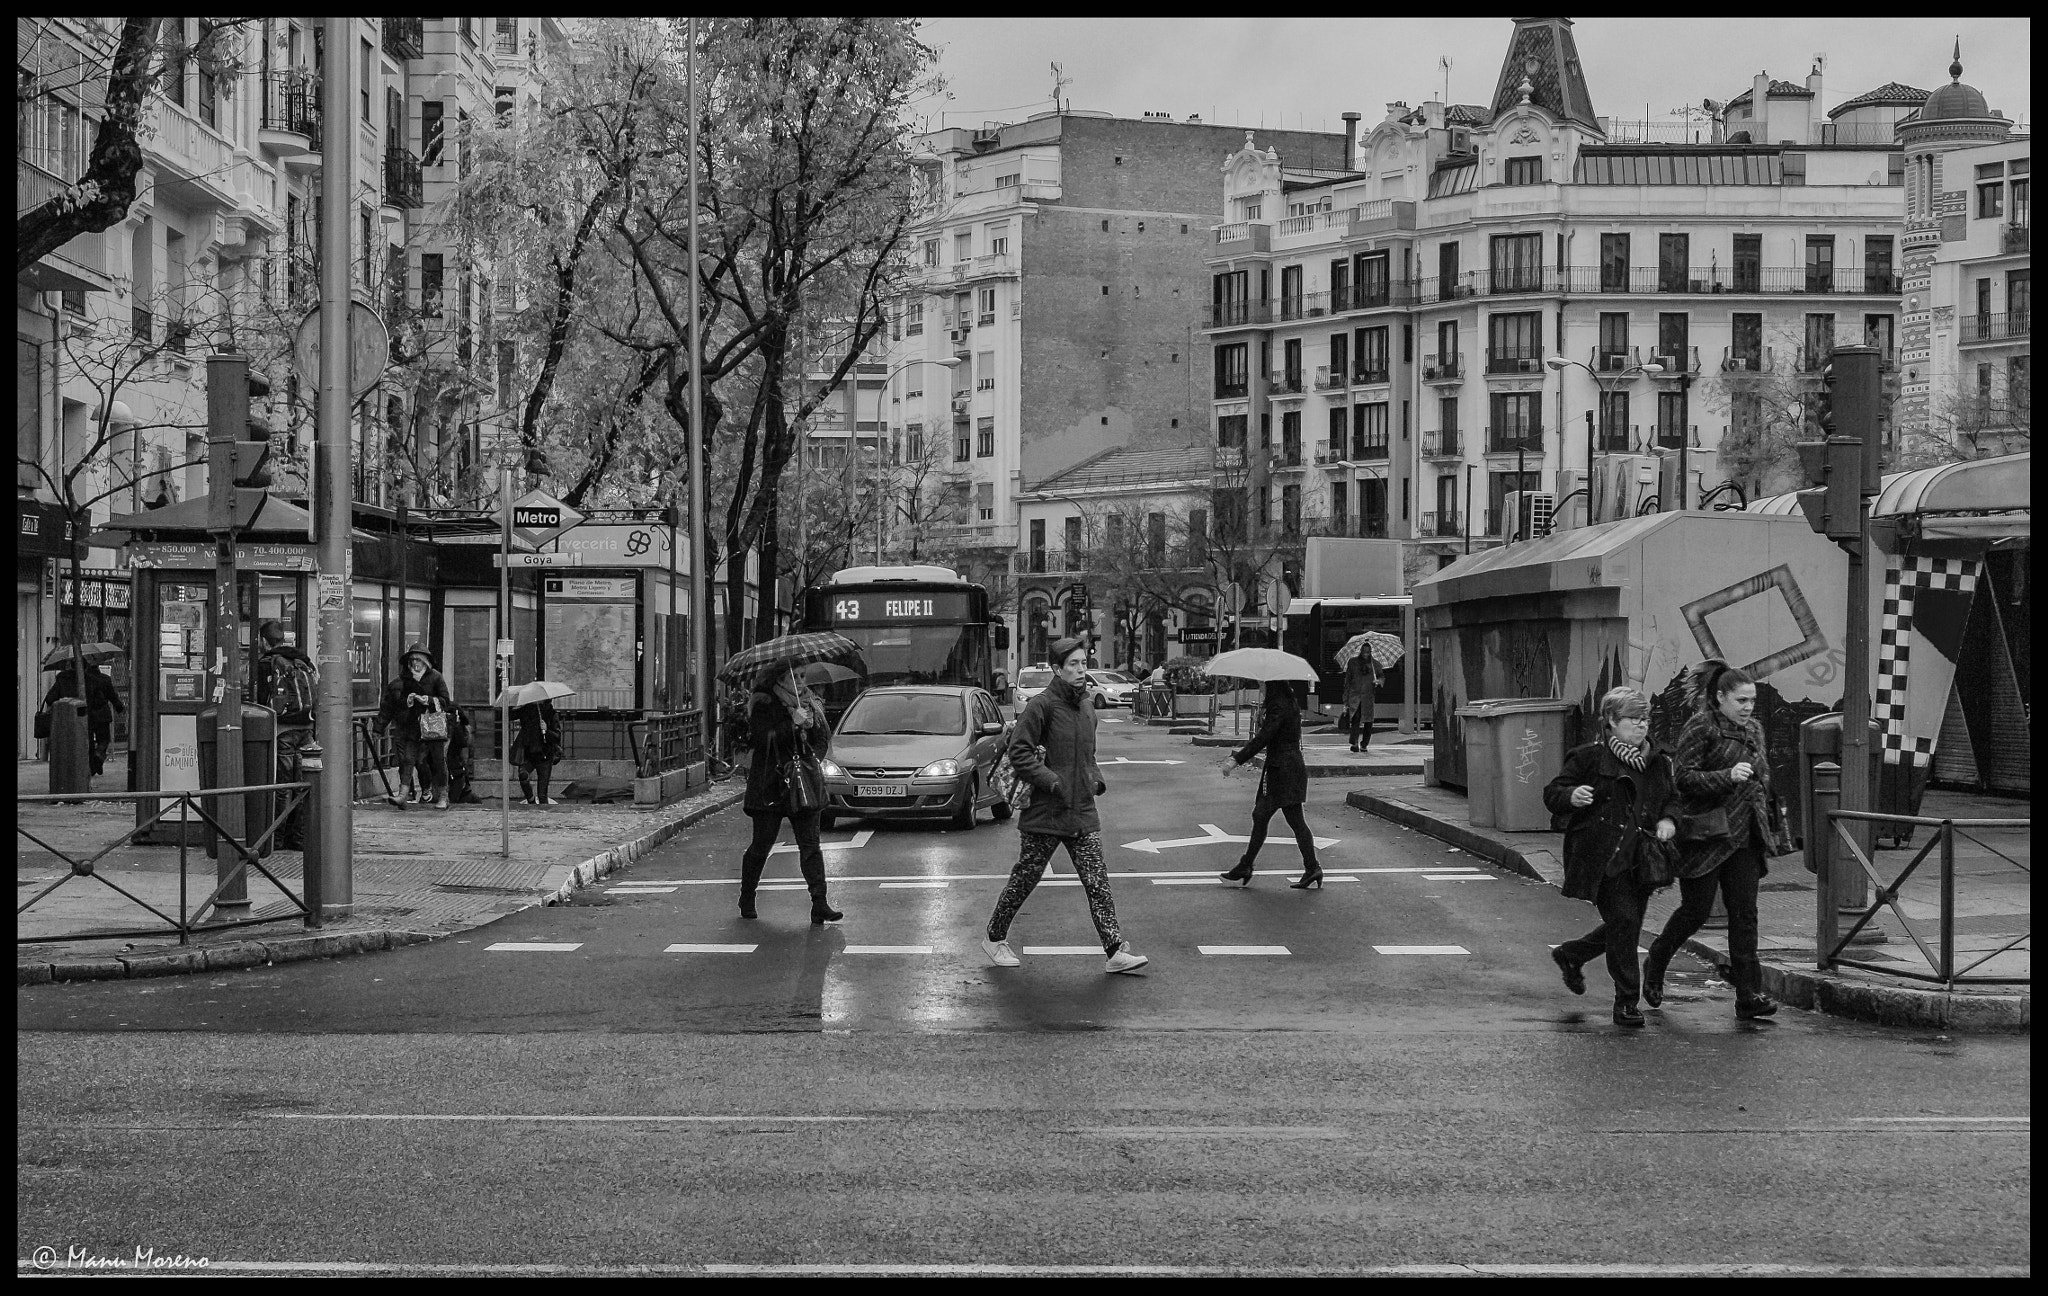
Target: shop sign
199	554
593	587
44	530
607	544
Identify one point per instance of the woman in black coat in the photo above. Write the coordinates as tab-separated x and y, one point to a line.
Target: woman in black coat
1617	802
418	691
1283	785
784	722
537	748
1724	766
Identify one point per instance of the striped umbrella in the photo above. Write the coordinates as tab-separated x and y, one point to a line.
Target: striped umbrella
1385	649
744	666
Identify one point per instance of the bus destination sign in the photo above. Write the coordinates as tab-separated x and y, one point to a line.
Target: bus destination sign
900	609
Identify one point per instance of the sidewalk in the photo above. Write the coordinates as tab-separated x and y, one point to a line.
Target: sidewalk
1993	904
419	874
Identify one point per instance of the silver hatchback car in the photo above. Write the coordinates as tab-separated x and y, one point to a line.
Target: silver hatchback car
918	752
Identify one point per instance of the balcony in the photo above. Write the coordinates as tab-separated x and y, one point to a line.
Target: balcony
1047	562
2004	327
402	183
1521	279
290	125
1612	438
1381	215
1515	360
1716	279
1288	460
1756	360
1327	381
1374	295
1617	362
1365	375
1667	436
1443	443
1434	289
1289	384
1313	221
1227	389
1440	524
1527	440
2013	238
1443	369
1676	364
1237	314
1369	451
405	38
1814	359
1241	237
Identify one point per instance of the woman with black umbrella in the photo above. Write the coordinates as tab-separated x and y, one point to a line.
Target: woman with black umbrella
786	726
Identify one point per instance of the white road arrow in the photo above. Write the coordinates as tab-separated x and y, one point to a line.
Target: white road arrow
1214	836
860	839
1125	760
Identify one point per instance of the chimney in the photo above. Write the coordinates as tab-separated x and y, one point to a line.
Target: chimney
1433	115
1351	120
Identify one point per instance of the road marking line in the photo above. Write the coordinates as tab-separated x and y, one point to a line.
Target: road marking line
1422	949
640	890
887	949
912	886
784	886
1334	872
545	1116
533	947
1187	881
1244	949
1063	949
1947	1120
860	839
1046	882
711	949
1470	1269
1458	877
1212	1131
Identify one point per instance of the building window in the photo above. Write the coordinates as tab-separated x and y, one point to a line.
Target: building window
1369	431
1614	263
985	371
1517	262
963	247
1613	340
1879	331
1749	262
1820	340
1232	377
1372	355
985	438
430	284
1370	274
1674	329
1820	263
1877	265
1340	431
1447	270
1008	181
1290	509
1230	430
1515	342
1522	171
931	252
2022	199
508	36
1290	438
468	30
962	450
1614	420
1674	260
1747	342
1990	191
1517	422
430	132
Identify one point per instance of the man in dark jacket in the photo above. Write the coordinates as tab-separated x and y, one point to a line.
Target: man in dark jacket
278	662
1052	747
102	701
1617	802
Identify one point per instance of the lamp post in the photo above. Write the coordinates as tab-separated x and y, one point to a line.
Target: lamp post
950	362
1558	364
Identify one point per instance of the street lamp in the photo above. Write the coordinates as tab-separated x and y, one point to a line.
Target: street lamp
950	362
1558	364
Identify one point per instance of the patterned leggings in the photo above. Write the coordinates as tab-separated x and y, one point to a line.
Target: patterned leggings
1086	853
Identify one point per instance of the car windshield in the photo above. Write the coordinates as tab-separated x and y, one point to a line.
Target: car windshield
1113	677
905	713
1033	678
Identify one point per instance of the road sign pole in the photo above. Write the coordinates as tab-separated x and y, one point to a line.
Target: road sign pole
505	636
336	790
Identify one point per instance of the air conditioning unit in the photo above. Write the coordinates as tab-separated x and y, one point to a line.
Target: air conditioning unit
1741	364
1529	364
1461	141
1570	491
1322	456
1613	361
1525	515
1669	363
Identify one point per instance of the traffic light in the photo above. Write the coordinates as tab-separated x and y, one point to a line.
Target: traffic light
1834	504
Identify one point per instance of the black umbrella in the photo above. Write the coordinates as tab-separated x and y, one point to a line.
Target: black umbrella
790	650
94	654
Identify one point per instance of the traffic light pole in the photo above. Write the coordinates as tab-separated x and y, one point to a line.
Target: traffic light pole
335	791
1856	412
227	419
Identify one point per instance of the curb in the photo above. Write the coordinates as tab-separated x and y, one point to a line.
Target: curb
293	949
1807	988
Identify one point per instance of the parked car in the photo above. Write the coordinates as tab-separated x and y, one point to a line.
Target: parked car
1031	681
919	752
1112	688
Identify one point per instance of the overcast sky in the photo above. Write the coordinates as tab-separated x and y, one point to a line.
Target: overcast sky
1308	71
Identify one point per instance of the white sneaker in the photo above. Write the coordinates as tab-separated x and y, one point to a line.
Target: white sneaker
1125	959
1000	953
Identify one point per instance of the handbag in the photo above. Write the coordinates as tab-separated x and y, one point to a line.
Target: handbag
1707	826
1020	789
804	783
434	723
1656	861
43	723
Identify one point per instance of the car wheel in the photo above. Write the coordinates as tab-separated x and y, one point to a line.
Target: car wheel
964	818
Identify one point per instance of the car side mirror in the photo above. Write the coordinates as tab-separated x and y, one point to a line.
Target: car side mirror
992	727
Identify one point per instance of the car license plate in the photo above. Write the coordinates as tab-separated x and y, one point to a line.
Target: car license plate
881	790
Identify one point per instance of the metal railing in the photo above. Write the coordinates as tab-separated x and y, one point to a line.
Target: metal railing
671	741
1366	374
1439	524
1233	314
2014	238
1511	440
1940	960
1370	448
185	809
405	38
1750	360
1524	359
1447	368
291	103
1442	443
403	185
1995	328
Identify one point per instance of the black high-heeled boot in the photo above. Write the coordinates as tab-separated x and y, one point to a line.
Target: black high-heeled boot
750	878
821	911
1312	876
1242	874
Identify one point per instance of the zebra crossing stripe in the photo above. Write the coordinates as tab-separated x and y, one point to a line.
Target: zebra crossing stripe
711	949
1062	949
1244	949
915	886
888	949
533	947
640	890
1422	949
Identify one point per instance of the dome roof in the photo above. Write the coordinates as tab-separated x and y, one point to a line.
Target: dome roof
1955	101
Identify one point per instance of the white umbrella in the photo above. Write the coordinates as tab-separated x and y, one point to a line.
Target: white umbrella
1260	664
520	695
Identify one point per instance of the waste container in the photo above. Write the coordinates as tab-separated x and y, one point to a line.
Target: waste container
1513	746
259	765
1820	739
70	747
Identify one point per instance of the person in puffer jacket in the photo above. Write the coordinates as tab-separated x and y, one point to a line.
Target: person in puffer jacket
1052	748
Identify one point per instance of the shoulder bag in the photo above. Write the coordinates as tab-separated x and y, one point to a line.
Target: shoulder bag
434	722
1656	861
804	781
1707	826
1020	789
43	723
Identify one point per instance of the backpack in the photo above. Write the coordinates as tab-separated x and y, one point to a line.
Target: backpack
294	688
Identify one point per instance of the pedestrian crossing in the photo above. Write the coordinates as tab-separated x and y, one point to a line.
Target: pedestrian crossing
1212	951
1157	877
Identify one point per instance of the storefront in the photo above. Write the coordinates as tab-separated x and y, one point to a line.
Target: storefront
44	541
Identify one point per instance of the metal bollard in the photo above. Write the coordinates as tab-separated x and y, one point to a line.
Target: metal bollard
1824	794
311	763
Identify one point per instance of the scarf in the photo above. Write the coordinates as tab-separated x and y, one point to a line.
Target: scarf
1070	694
1633	757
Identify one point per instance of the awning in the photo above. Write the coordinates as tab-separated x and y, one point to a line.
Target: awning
1983	499
257	513
1563	560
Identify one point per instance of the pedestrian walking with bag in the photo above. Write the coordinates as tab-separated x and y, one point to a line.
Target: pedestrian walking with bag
539	748
786	724
1361	694
1732	825
1052	750
1617	803
1283	785
416	709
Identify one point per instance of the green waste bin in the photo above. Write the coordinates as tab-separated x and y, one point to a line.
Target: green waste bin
1513	747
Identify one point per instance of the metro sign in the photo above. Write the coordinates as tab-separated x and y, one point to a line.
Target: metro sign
538	517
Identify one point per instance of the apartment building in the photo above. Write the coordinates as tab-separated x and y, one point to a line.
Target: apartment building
221	249
1969	284
1496	306
1060	261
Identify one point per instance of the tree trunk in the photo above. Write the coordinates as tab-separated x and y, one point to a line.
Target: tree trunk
102	196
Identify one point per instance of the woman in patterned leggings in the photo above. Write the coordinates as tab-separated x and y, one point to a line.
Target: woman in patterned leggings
1052	748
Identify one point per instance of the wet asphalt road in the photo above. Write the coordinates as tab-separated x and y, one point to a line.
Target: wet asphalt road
1344	1106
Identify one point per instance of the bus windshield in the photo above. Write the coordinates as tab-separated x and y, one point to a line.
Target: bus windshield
935	654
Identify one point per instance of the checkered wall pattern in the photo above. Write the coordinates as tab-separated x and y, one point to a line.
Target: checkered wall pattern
1904	578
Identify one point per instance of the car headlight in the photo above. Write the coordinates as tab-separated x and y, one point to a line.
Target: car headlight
831	769
940	769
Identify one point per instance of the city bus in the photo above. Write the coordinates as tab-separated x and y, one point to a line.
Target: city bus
914	625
